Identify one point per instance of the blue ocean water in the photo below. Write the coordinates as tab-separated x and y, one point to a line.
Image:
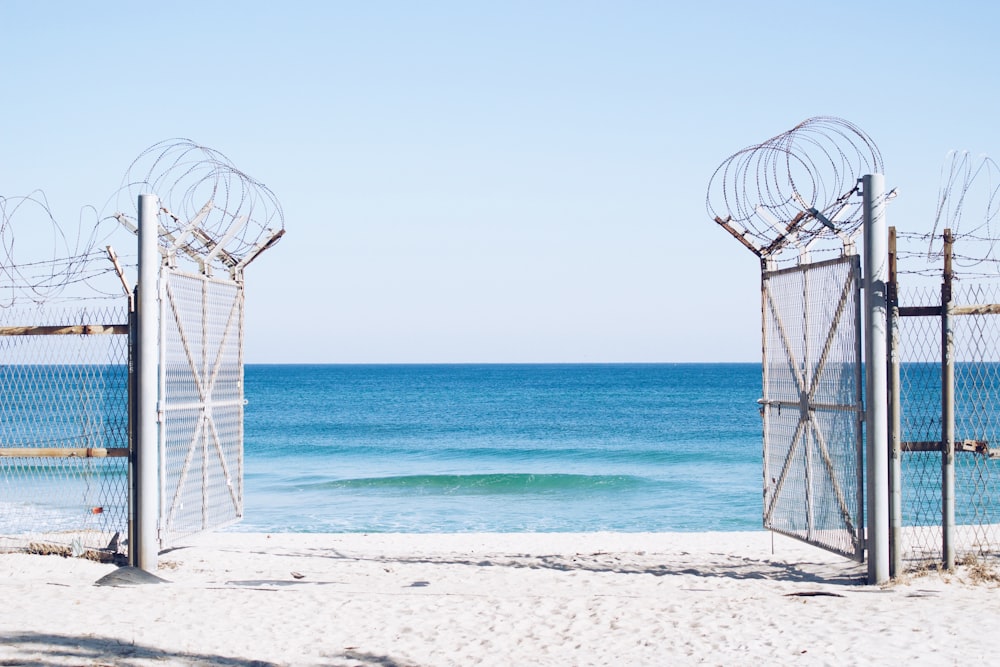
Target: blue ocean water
507	448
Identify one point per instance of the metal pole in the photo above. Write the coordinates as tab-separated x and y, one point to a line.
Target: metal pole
765	413
143	553
205	319
895	458
859	395
806	369
876	272
947	414
240	427
133	440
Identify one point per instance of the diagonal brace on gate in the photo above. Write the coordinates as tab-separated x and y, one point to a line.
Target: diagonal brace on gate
205	387
807	405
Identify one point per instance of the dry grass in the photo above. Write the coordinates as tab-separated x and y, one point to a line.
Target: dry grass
971	568
979	570
45	549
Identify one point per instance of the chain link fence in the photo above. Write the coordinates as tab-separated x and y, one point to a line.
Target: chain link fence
920	348
977	420
64	431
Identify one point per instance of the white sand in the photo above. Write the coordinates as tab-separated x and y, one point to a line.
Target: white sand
513	599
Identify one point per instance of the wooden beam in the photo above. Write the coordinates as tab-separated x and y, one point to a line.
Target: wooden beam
63	452
973	446
68	330
981	309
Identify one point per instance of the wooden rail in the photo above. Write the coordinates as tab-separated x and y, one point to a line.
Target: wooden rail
973	446
68	330
63	452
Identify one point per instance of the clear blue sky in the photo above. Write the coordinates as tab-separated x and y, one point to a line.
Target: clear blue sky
491	182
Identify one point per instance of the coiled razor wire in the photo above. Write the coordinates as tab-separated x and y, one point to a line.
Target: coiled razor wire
214	213
795	187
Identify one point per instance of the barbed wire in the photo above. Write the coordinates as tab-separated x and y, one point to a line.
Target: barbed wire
41	263
212	209
796	187
963	177
968	205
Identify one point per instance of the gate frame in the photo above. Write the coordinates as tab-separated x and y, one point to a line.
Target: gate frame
855	524
205	435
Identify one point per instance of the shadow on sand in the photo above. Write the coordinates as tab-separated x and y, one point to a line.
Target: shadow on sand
34	649
706	565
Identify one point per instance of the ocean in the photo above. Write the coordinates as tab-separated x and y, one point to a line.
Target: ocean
502	448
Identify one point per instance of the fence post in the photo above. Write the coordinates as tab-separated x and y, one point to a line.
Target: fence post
947	414
895	427
144	552
876	363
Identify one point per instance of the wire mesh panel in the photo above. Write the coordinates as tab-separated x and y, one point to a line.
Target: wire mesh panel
918	350
975	324
976	329
63	430
202	403
812	404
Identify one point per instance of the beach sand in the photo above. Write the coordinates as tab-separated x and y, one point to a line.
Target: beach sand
493	599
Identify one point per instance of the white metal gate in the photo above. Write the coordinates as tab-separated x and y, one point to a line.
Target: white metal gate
812	404
201	409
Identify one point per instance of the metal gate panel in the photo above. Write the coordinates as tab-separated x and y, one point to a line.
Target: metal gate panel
812	404
201	390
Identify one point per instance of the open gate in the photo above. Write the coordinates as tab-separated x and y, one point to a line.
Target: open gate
814	189
812	405
201	389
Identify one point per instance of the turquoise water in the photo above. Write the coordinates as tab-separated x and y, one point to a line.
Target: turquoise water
454	448
631	447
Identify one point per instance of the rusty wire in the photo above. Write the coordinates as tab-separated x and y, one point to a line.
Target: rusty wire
196	183
795	187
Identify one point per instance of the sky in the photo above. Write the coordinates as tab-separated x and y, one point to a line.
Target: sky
490	182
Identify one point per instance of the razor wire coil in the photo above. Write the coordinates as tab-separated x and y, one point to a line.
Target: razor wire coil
212	209
796	186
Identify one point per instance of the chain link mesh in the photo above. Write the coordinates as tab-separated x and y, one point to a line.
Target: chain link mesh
63	397
919	352
977	424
